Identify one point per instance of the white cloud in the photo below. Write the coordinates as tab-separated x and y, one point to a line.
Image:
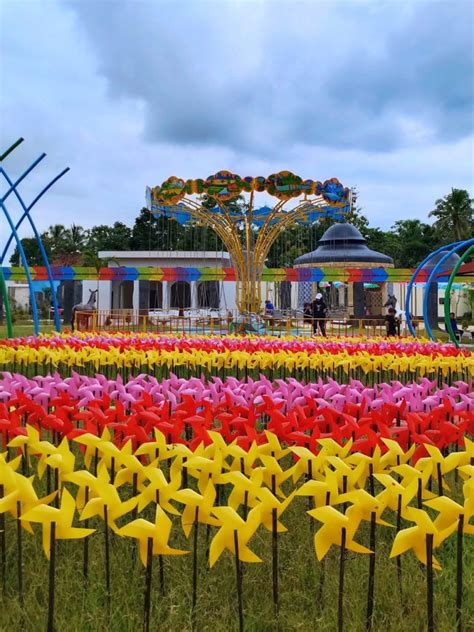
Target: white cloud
127	94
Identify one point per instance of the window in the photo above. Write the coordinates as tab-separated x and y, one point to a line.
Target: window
180	295
208	295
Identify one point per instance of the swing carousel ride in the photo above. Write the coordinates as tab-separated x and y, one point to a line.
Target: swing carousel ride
226	203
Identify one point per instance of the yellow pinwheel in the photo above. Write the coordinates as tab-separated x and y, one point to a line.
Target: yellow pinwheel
273	474
62	517
243	461
159	490
272	447
106	502
157	450
348	478
331	532
158	531
395	495
269	504
450	511
415	537
364	505
395	454
308	463
197	507
245	488
233	527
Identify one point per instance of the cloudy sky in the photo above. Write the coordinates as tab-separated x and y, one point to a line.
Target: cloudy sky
127	93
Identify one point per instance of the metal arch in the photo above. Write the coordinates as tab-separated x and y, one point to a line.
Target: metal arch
44	256
14	235
24	261
447	296
433	273
412	282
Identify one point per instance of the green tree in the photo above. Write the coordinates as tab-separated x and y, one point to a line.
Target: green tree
413	241
115	237
32	252
454	216
75	239
55	237
148	232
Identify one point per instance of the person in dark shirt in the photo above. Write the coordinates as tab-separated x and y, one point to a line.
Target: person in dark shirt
319	309
307	313
269	309
391	322
454	325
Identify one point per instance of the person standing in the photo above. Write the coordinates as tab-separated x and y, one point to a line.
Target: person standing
392	322
319	309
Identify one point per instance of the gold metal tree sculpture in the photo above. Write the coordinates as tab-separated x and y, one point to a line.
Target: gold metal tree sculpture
248	232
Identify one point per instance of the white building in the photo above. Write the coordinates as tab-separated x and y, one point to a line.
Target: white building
167	295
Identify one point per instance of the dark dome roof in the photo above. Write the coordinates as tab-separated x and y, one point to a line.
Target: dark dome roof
343	242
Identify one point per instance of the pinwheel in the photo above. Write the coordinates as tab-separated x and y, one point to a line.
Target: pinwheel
451	513
422	538
107	504
369	508
153	539
354	357
159	490
233	535
57	525
338	529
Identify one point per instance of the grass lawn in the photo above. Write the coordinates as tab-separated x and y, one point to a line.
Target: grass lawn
25	328
308	589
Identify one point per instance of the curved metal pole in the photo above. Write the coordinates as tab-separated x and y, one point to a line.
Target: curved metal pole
428	283
23	176
28	208
11	148
447	296
412	282
26	214
6	304
25	265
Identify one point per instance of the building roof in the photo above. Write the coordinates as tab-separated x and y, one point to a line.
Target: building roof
342	242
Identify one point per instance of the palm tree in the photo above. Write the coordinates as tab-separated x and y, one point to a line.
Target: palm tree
454	215
76	238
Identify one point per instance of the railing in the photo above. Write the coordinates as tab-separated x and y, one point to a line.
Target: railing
219	324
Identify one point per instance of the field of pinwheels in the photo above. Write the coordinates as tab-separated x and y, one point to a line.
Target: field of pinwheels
158	483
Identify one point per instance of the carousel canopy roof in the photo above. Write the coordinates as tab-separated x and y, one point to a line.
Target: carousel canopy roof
343	242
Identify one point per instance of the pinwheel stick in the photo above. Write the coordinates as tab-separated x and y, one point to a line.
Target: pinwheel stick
85	562
276	598
459	574
399	557
52	576
148	575
195	570
107	558
3	545
342	559
20	552
238	571
162	574
371	583
429	581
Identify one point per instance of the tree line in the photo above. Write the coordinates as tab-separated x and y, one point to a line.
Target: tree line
407	241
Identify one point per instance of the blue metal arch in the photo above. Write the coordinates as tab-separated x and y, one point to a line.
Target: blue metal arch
412	282
433	273
14	232
44	256
24	262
